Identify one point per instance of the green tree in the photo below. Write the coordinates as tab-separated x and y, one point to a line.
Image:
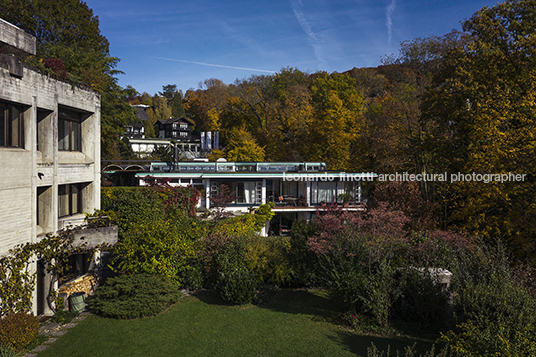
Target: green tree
174	99
177	109
68	30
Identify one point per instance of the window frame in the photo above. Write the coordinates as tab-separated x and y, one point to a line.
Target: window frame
7	119
74	203
73	121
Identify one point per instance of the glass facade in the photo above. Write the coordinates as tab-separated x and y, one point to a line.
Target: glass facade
244	192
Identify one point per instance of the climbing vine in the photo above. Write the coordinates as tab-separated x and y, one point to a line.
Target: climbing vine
18	279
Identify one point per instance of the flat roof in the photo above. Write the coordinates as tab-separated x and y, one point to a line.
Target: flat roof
293	176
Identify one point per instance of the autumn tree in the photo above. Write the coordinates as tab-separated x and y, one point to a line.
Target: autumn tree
288	134
243	147
337	119
212	96
484	100
255	96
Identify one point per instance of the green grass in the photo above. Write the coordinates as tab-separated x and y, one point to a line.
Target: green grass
292	323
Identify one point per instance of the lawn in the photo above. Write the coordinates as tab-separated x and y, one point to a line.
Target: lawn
291	323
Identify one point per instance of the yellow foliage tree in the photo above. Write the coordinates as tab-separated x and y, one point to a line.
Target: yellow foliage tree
243	147
337	122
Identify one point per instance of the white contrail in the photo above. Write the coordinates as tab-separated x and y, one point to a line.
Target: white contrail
389	14
215	65
297	8
316	43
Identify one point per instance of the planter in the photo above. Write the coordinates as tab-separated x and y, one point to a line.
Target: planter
77	302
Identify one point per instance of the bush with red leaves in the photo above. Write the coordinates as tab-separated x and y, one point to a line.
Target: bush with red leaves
57	66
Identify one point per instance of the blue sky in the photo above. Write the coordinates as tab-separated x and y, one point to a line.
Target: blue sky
164	42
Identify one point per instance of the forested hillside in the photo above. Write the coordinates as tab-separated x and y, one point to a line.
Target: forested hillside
459	103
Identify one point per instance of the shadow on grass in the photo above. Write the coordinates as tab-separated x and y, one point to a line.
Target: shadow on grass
314	303
358	344
210	297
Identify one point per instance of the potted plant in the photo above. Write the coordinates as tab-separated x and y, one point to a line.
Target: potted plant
345	198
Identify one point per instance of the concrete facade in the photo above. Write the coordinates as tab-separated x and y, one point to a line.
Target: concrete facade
35	171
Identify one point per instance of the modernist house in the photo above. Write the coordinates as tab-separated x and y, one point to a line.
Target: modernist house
297	189
49	151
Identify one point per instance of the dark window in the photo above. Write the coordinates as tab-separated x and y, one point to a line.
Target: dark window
11	125
69	130
69	199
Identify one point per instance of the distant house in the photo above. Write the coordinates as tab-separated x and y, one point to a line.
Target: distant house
135	131
176	132
142	111
178	129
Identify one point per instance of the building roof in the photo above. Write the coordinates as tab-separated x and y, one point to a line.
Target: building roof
16	37
173	120
298	176
298	171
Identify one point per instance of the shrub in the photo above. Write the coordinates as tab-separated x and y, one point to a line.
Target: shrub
18	330
235	281
133	296
303	262
423	301
364	259
144	205
410	351
161	247
268	258
359	254
495	314
132	205
237	284
191	274
226	268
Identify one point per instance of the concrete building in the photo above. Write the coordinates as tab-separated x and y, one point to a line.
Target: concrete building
49	150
